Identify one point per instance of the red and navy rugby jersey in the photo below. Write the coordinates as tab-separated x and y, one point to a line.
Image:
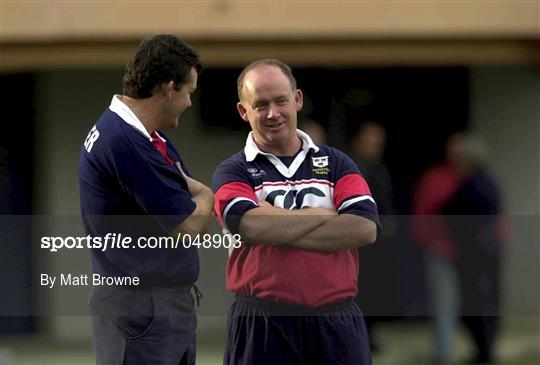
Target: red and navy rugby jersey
318	177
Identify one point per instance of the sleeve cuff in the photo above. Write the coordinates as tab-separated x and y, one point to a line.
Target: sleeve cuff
234	213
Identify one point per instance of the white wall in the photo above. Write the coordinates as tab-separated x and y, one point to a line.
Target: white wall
505	111
67	105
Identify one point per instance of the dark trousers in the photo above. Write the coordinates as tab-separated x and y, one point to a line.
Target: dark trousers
483	330
143	326
479	273
266	333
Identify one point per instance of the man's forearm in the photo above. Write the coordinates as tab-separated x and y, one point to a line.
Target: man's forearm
209	221
203	213
275	226
340	233
199	219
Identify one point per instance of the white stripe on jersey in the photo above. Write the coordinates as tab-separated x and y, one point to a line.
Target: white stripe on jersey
293	183
233	202
347	203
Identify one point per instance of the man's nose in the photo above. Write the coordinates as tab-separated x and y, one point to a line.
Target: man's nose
273	112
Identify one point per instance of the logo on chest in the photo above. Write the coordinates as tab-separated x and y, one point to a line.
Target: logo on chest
320	161
256	173
293	199
320	165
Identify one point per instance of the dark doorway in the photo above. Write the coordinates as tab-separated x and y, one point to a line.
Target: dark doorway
16	184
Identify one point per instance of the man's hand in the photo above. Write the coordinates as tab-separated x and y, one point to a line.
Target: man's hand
201	219
195	187
343	232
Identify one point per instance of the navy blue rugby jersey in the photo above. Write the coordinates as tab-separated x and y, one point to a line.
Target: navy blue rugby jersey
317	177
127	187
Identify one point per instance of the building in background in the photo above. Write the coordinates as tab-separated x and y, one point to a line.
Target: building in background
424	69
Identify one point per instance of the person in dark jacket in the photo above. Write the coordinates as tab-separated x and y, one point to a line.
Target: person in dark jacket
458	221
377	264
473	215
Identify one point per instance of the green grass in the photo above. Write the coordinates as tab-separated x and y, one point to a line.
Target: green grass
403	343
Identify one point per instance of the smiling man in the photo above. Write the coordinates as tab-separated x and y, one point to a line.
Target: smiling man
301	210
133	182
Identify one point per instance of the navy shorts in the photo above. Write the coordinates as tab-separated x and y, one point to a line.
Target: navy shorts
261	332
143	326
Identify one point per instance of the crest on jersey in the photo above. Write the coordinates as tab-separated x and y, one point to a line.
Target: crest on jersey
320	161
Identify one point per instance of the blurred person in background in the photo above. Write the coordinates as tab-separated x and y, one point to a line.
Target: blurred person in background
315	130
366	148
301	210
458	221
133	182
473	215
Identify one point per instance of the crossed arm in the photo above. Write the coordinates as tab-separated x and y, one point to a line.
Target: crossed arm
315	229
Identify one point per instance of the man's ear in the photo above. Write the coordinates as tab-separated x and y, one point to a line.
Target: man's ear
299	99
167	88
242	111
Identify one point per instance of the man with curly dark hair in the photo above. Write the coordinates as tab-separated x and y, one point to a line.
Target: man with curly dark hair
133	182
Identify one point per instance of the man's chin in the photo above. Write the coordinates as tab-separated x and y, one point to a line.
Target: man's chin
282	135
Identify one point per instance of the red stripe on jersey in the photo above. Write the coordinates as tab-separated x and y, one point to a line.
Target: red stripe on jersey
350	185
228	192
294	183
292	275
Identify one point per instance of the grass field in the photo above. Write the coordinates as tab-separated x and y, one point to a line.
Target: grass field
402	343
